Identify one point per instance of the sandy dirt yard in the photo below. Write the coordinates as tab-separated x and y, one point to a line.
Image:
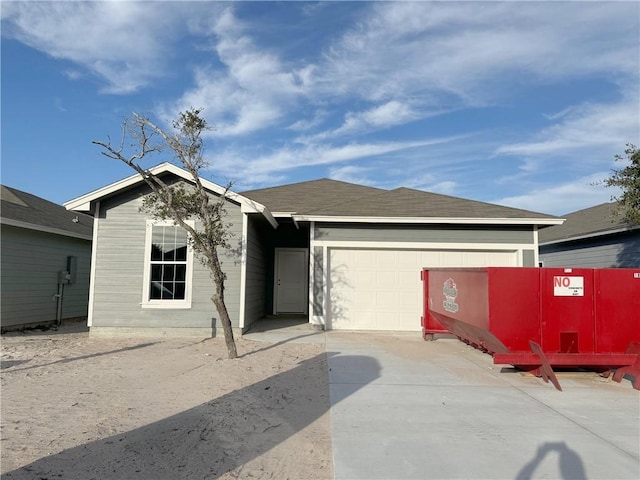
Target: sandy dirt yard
75	407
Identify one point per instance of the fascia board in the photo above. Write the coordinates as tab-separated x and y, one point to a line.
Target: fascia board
253	207
431	220
83	203
41	228
590	235
283	214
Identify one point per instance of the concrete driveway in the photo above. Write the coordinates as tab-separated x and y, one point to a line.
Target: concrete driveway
402	408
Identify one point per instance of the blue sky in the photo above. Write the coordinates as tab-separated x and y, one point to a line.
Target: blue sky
523	104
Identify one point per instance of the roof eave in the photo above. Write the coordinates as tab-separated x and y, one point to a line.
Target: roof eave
255	207
429	220
601	233
83	203
42	228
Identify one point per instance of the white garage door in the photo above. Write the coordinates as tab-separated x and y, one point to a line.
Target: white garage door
382	290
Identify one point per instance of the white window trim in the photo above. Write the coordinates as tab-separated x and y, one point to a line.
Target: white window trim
165	304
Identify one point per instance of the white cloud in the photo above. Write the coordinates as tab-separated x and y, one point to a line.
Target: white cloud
376	118
446	188
467	52
237	162
583	128
306	124
325	154
252	91
429	183
351	174
391	113
410	61
233	110
563	198
382	116
126	44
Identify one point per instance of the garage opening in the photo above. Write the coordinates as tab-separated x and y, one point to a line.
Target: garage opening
380	289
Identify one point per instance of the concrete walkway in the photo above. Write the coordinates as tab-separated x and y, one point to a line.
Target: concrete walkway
402	408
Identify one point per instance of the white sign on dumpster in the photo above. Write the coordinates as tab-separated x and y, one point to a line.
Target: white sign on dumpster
568	286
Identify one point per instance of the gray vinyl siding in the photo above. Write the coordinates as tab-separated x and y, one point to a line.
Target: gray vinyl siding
256	274
435	234
618	251
529	258
30	262
119	272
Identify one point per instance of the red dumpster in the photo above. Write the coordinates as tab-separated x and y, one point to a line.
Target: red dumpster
588	318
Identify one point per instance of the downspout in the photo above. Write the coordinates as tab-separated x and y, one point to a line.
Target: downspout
94	262
59	297
244	245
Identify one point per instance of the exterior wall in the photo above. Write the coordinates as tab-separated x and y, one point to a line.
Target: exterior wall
30	262
256	273
120	264
614	251
521	241
529	258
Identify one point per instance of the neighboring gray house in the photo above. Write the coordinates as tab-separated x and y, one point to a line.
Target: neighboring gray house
594	237
343	256
39	240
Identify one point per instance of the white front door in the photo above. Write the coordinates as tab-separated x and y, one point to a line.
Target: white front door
291	280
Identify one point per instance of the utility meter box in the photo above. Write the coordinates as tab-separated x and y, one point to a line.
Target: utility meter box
64	277
72	268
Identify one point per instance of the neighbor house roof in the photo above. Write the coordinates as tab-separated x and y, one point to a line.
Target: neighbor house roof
85	202
589	222
331	200
21	209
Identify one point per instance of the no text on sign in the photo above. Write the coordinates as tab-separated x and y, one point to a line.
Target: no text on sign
564	286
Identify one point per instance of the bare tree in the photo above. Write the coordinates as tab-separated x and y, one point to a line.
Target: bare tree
177	202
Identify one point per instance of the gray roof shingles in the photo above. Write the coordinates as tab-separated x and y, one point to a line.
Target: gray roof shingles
29	209
590	221
334	198
307	196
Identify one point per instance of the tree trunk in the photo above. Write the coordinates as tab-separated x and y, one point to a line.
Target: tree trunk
225	321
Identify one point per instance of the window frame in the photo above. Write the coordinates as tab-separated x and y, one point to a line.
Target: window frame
159	303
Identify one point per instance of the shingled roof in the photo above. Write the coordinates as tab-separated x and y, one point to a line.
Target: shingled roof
407	202
598	220
333	198
21	209
305	197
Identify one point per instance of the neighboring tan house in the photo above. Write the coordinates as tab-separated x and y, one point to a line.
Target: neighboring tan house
343	256
594	237
40	239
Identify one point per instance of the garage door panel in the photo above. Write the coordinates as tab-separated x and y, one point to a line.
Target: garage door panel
432	258
365	300
385	301
406	260
454	259
382	290
384	279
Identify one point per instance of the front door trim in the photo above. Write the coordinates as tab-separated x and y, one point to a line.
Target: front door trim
302	276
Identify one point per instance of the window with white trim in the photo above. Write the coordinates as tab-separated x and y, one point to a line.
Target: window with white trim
168	266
